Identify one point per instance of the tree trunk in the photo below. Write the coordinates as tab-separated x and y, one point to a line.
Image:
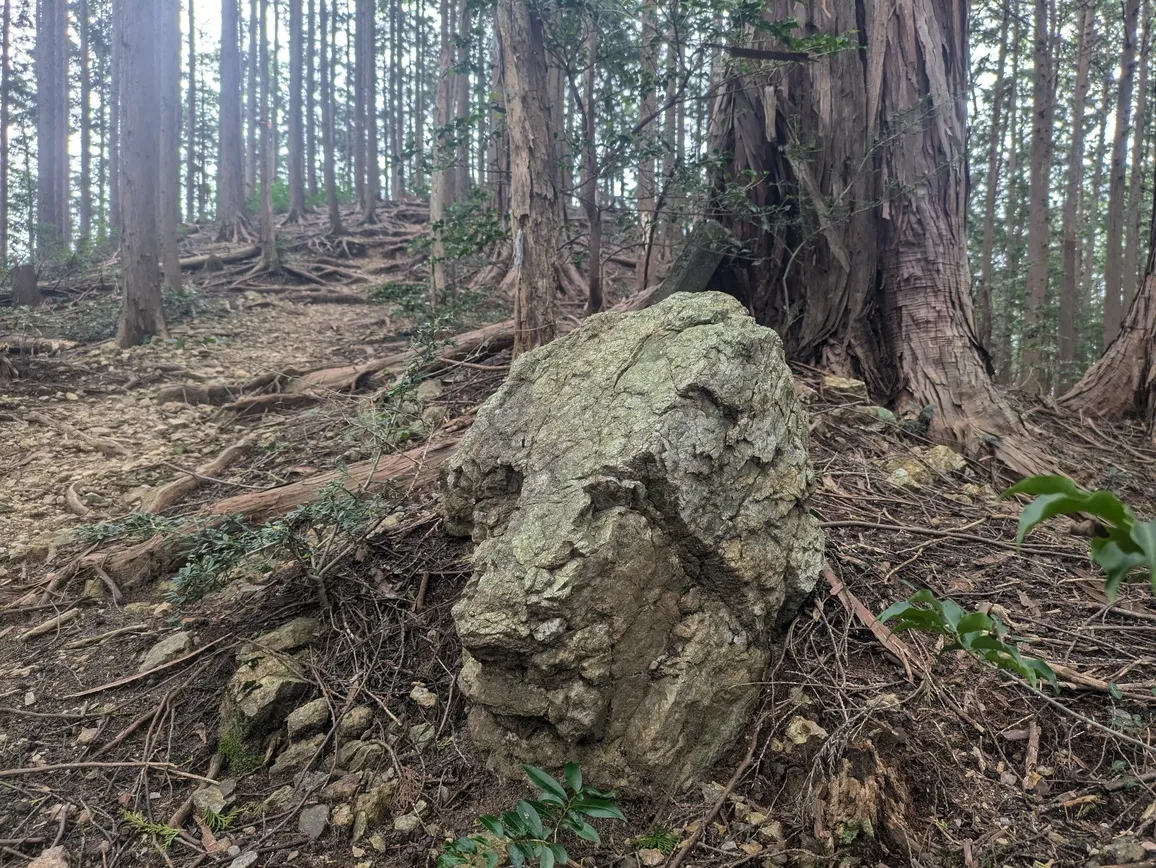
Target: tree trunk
358	78
367	35
254	99
83	24
51	57
1033	377
142	315
419	87
1131	263
1069	289
191	121
230	146
270	260
296	127
991	186
534	199
5	111
328	54
311	99
397	103
442	192
1122	383
115	124
168	48
589	184
461	82
1114	234
1001	341
649	37
867	272
1091	204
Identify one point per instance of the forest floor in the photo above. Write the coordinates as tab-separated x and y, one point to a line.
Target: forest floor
144	496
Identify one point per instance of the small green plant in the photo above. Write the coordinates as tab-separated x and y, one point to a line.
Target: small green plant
241	760
978	633
661	838
165	834
528	834
1124	547
219	822
136	526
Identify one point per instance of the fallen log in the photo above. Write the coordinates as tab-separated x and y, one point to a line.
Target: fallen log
224	258
167	495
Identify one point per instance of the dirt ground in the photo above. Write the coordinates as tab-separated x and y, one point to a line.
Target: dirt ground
868	749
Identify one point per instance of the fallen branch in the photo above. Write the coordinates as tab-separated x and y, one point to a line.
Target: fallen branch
129	679
50	625
106	447
74	503
174	491
85	641
880	631
60	767
225	258
33	346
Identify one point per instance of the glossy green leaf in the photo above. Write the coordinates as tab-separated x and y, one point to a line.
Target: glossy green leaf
547	857
492	825
1036	485
1116	563
545	782
533	821
573	774
1144	535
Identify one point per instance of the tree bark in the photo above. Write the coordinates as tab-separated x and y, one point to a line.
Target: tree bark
534	198
589	182
142	315
84	239
5	113
296	127
367	35
397	102
1033	376
270	259
1131	262
461	82
419	86
1069	289
115	215
1001	341
168	48
254	99
327	131
868	274
1091	204
442	192
649	37
191	120
991	186
1114	233
311	98
51	60
230	145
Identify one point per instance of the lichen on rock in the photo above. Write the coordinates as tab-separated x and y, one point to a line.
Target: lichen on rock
637	492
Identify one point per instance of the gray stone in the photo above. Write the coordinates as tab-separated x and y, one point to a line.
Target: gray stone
372	807
259	696
421	735
167	650
637	492
357	755
355	723
308	719
343	789
279	800
54	857
244	860
208	800
313	821
428	390
290	636
293	758
407	824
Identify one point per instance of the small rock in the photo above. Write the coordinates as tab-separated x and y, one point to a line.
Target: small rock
244	860
280	799
29	698
93	590
308	719
290	636
55	857
343	789
343	816
313	821
651	857
421	735
756	819
407	824
800	730
166	650
290	760
71	396
162	609
355	723
88	735
944	459
209	800
845	385
428	390
377	842
423	696
139	609
357	755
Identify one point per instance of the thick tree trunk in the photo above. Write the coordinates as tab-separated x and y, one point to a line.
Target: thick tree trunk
534	198
588	189
367	35
1114	233
419	87
1001	339
1122	383
1091	204
991	186
357	73
168	49
191	121
84	239
270	258
461	82
311	98
1069	289
1131	263
397	102
230	146
115	124
51	60
1033	376
327	62
142	315
251	106
442	189
646	191
296	128
868	271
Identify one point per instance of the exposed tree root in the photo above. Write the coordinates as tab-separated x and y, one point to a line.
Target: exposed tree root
226	257
173	492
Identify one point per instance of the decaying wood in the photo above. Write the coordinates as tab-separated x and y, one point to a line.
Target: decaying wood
224	258
255	405
50	626
167	495
75	504
210	393
697	262
28	345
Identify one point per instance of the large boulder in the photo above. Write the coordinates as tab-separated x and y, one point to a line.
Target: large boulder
637	492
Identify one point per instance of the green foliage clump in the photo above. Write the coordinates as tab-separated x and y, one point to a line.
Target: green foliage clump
978	633
470	227
241	760
135	527
1124	547
661	838
528	834
165	834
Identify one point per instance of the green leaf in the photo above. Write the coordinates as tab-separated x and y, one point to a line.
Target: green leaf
559	852
952	613
1115	691
1043	670
533	821
975	622
1115	562
585	831
545	782
515	823
894	610
547	857
598	808
466	844
492	858
492	825
1052	484
1144	535
516	856
573	774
